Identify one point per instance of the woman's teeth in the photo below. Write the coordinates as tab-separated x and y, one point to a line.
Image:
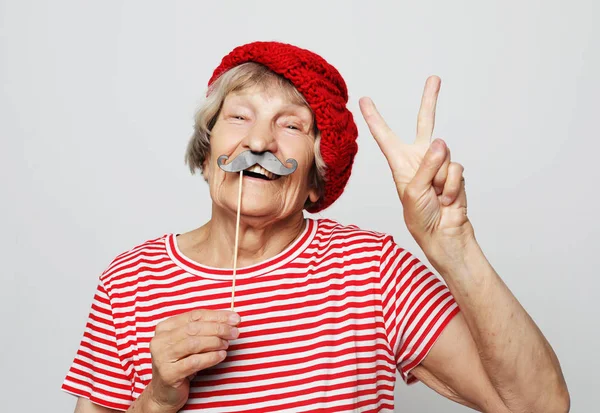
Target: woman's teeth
260	170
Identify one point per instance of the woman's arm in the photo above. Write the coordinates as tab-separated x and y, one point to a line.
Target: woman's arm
493	347
496	342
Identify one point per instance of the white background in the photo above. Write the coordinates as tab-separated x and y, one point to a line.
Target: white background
96	109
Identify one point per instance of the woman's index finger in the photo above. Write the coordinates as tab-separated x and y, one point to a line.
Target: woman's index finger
380	130
220	316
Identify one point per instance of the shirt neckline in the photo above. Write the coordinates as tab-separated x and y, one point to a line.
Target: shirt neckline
281	259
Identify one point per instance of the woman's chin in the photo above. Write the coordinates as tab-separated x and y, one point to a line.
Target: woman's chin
260	208
252	207
256	204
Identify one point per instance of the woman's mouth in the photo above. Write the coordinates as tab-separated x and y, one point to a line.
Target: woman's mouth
259	172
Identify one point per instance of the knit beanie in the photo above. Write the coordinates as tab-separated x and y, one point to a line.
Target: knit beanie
325	91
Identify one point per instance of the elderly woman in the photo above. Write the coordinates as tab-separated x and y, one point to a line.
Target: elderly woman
324	313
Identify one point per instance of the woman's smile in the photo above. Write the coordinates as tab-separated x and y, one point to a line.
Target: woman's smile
259	172
256	178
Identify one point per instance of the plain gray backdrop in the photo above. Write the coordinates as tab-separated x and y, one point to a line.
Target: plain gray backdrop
96	109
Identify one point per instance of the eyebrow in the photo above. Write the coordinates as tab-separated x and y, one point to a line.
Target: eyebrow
288	105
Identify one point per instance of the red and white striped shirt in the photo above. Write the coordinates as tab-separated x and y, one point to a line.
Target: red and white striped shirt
325	324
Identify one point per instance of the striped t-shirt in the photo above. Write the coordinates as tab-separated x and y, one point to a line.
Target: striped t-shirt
325	324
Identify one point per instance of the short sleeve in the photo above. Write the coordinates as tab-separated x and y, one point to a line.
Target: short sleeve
417	306
97	372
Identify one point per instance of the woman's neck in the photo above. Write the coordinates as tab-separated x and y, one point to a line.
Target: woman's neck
213	243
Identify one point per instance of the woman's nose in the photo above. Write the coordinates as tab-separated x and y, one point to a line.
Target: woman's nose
261	139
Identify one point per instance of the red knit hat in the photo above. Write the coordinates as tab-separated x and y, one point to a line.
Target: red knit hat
325	91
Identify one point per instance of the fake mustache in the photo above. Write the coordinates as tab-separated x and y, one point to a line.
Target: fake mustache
267	160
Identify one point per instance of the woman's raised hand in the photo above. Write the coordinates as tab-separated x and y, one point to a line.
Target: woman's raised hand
429	184
182	346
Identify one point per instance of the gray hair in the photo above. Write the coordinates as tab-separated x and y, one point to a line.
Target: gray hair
236	79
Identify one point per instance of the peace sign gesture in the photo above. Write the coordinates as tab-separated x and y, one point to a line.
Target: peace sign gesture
429	184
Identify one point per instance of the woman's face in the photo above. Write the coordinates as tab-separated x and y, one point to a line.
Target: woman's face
260	120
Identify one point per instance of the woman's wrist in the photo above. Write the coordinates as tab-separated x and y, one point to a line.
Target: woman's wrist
455	257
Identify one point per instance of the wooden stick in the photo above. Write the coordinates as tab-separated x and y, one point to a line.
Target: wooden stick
237	235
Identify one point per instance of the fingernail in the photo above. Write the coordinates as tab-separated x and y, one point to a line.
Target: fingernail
437	146
446	200
235	332
234	318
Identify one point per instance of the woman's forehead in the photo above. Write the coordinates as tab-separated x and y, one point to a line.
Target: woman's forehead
273	94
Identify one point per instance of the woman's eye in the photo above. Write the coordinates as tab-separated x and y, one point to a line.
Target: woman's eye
239	117
293	127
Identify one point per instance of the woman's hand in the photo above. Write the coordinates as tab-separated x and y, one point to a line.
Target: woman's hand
430	186
182	346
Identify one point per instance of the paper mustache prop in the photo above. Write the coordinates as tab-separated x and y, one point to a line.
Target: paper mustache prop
242	162
267	160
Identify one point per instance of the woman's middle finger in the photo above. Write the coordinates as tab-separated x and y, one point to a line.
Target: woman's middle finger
200	333
196	345
426	116
208	328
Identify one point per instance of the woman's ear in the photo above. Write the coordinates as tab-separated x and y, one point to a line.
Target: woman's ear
313	195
